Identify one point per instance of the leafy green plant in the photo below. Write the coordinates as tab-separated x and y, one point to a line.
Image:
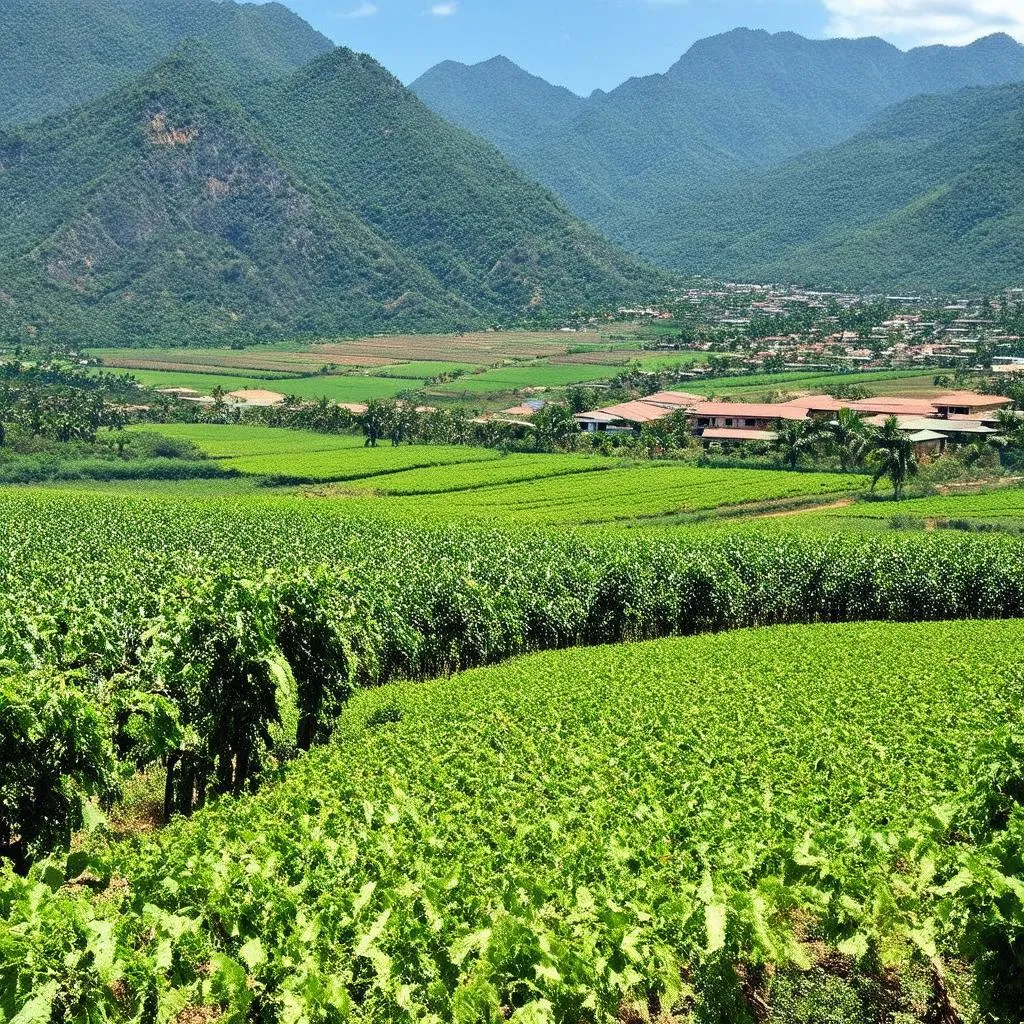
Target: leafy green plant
55	753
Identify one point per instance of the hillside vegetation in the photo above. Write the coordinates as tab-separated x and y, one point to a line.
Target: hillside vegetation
56	54
929	197
676	166
186	208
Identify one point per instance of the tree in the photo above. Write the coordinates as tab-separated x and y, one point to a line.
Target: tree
796	438
849	438
983	450
555	425
892	455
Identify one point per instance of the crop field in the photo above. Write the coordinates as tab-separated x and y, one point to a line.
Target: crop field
1004	503
573	837
457	478
627	493
516	378
423	370
876	382
346	388
438	483
354	463
232	441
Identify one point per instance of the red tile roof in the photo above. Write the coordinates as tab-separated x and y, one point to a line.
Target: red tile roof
972	400
749	410
637	412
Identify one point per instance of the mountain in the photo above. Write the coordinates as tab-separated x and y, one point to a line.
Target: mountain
329	201
733	103
498	100
929	197
57	54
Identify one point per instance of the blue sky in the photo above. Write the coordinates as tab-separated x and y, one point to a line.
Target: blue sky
588	44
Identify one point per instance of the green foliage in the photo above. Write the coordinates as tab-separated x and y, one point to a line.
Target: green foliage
55	752
55	54
926	198
789	821
188	208
696	168
215	656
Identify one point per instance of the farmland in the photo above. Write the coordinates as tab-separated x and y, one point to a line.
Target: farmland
487	368
574	834
454	483
490	363
324	745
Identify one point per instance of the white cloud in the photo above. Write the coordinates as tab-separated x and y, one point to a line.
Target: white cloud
364	10
916	22
445	10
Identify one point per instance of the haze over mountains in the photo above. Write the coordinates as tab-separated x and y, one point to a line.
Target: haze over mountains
675	165
215	199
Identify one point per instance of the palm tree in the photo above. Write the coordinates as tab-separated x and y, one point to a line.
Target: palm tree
893	456
795	438
849	437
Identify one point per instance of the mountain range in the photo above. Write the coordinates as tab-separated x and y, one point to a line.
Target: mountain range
203	172
682	167
56	54
216	198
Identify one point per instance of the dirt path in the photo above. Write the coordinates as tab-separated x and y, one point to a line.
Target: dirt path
845	503
978	485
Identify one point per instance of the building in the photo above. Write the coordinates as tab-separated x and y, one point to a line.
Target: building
968	405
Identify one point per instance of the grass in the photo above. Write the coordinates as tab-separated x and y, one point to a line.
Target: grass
516	378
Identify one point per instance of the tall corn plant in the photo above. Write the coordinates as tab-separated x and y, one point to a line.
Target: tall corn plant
55	753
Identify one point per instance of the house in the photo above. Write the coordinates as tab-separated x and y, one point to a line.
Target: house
741	415
737	435
629	416
968	405
956	430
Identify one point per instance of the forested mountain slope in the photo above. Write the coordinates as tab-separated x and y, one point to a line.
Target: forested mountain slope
56	54
929	197
331	202
732	104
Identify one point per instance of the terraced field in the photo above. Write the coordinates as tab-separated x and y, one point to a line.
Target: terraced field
438	483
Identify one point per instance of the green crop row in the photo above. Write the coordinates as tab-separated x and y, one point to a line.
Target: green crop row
796	824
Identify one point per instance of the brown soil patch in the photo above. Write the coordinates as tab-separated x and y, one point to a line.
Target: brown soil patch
197	1015
257	397
845	503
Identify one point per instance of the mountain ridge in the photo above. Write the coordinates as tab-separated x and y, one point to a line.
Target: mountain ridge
732	103
178	208
929	197
57	54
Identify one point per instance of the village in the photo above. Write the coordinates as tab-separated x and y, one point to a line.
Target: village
931	424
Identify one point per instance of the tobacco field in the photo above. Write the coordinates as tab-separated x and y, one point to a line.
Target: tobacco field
632	833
